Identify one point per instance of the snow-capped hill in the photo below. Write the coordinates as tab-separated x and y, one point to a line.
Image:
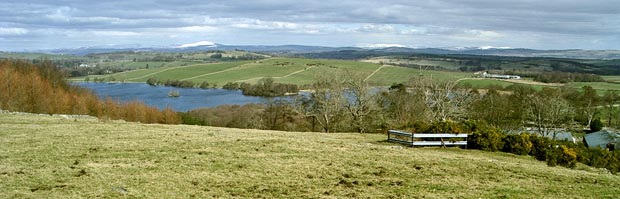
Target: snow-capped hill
494	48
200	43
381	46
466	48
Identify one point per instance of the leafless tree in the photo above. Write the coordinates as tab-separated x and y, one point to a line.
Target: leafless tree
360	103
444	99
548	111
327	101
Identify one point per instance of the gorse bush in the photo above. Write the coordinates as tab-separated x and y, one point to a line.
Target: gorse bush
447	127
563	156
518	144
540	145
486	139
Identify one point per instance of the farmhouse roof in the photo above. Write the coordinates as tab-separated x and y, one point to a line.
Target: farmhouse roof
600	139
560	135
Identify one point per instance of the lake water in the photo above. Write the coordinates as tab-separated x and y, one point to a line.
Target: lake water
157	96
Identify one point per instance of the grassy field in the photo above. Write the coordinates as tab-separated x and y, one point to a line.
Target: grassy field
54	157
485	83
600	87
285	70
612	78
142	65
454	63
304	71
394	74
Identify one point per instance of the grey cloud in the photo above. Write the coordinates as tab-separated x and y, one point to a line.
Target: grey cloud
459	21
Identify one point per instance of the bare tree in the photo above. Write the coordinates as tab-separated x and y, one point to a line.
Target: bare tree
359	102
444	100
404	108
548	111
588	102
610	98
327	102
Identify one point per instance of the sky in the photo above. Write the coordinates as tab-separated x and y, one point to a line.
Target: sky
538	24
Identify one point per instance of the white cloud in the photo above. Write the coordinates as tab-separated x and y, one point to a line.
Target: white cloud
13	31
195	29
265	25
115	33
376	28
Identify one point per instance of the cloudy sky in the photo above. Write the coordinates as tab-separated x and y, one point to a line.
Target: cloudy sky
539	24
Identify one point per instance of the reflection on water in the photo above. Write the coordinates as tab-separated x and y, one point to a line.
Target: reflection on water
190	98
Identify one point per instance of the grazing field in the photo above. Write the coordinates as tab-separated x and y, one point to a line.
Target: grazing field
143	65
612	78
600	87
56	157
395	74
285	70
302	71
484	83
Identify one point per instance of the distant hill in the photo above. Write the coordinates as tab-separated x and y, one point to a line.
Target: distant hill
303	49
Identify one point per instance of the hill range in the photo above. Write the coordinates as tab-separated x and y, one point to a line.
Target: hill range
302	49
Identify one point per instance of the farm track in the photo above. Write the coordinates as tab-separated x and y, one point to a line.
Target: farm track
212	73
527	82
285	76
216	72
151	74
373	73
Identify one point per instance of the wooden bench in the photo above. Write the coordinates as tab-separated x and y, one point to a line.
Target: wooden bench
421	139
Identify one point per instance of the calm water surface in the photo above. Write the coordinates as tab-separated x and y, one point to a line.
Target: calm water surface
191	98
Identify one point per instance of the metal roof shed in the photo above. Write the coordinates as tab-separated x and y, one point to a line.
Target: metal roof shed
600	139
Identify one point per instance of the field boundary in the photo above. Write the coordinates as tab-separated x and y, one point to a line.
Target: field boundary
285	76
212	73
229	69
161	71
376	71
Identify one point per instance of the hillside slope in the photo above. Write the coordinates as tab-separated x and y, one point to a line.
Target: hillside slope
56	157
298	71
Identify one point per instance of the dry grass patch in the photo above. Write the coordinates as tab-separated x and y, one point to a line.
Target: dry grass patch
49	157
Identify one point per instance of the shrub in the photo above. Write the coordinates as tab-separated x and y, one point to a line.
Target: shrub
152	81
563	156
231	86
446	127
518	144
614	163
487	139
540	145
204	85
596	125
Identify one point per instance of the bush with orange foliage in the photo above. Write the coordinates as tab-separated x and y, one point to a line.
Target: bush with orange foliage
41	88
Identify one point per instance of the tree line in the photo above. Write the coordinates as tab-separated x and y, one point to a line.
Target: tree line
345	103
265	87
41	88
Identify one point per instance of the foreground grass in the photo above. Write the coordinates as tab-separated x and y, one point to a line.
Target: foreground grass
53	157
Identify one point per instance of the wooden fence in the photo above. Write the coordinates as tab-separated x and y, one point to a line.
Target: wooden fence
423	139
